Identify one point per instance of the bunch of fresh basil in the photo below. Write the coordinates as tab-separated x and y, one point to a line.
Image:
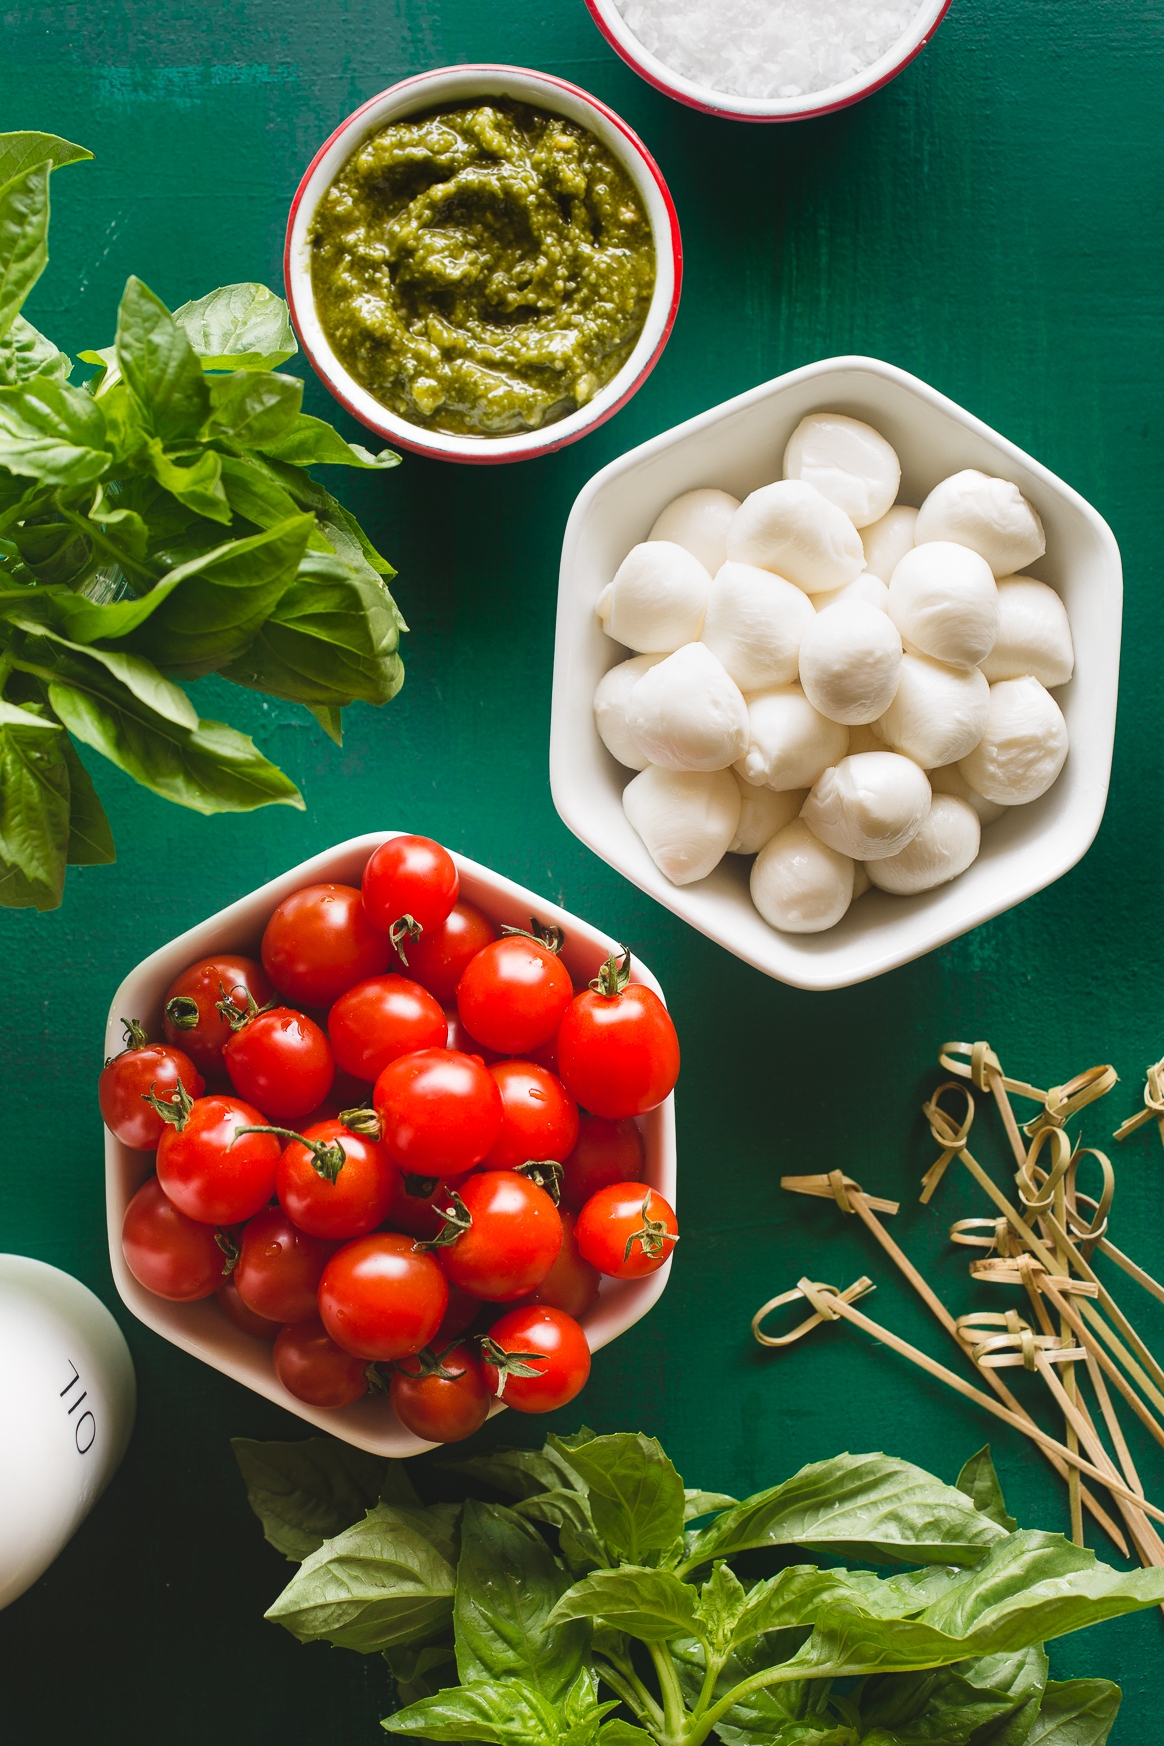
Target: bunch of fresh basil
159	523
589	1611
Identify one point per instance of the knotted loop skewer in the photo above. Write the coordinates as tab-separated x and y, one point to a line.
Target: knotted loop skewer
818	1296
835	1185
948	1134
1000	1240
1027	1270
1037	1187
1153	1104
1017	1345
981	1067
1064	1101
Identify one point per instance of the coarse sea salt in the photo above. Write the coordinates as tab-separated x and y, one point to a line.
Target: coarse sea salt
767	48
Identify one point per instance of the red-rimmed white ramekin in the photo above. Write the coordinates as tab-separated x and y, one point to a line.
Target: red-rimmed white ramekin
611	23
448	85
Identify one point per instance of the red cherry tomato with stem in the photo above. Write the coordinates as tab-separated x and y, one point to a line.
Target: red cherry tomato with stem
441	1398
606	1152
171	1255
535	1359
192	1020
314	1369
281	1062
379	1020
502	1236
334	1182
572	1283
439	1111
617	1049
410	886
319	943
126	1082
540	1117
441	955
244	1319
382	1298
514	992
210	1168
626	1230
279	1267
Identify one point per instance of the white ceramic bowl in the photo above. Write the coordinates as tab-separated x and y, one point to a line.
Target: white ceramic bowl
739	446
448	85
611	23
201	1328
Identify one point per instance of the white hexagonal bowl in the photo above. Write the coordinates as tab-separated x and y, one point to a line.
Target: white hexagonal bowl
201	1328
739	446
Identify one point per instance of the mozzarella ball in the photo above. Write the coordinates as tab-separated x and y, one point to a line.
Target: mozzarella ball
655	603
944	847
944	601
610	704
849	463
991	516
888	540
1023	745
1033	634
861	880
763	812
754	623
697	521
789	742
791	529
950	780
868	806
938	714
868	587
850	662
798	884
686	818
864	738
686	714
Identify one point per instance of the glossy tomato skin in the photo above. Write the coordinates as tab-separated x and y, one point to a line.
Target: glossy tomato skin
513	994
410	876
191	1018
440	957
244	1319
441	1409
415	1208
605	1152
562	1349
209	1178
279	1267
282	1063
440	1111
171	1255
572	1283
460	1040
540	1117
319	943
381	1298
612	1219
512	1242
381	1019
126	1083
359	1199
314	1369
618	1054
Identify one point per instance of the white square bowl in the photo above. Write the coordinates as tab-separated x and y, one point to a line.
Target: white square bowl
201	1328
738	447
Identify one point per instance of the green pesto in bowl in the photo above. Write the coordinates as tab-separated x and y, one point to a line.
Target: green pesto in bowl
482	270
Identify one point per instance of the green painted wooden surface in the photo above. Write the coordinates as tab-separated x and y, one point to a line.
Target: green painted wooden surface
990	221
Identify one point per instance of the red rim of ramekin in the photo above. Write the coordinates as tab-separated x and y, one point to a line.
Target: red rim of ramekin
727	114
417	445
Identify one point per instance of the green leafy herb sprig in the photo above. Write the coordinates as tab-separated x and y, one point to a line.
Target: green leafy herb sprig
599	1606
159	524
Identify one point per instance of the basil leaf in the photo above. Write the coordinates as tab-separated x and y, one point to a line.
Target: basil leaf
330	720
253	408
198	484
20	152
778	1715
139	676
990	1701
705	1503
507	1586
979	1481
636	1496
253	493
310	442
238	327
412	1664
52	432
56	552
723	1600
34	809
303	1493
331	639
649	1604
619	1733
351	543
159	365
24	220
25	353
1076	1712
867	1507
519	1472
90	838
799	1594
503	1713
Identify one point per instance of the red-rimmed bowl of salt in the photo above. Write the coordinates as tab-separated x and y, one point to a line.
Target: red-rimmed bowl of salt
752	60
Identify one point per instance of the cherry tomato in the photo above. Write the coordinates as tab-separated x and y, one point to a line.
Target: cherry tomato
346	1093
443	1400
415	1208
617	1049
192	1020
332	1182
439	958
381	1019
545	1055
626	1230
211	1175
546	1341
572	1283
125	1084
462	1312
460	1040
168	1253
382	1298
319	943
279	1267
440	1111
313	1368
281	1062
540	1118
606	1152
513	994
236	1311
512	1239
410	885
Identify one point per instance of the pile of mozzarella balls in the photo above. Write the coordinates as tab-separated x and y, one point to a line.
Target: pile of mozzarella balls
846	688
